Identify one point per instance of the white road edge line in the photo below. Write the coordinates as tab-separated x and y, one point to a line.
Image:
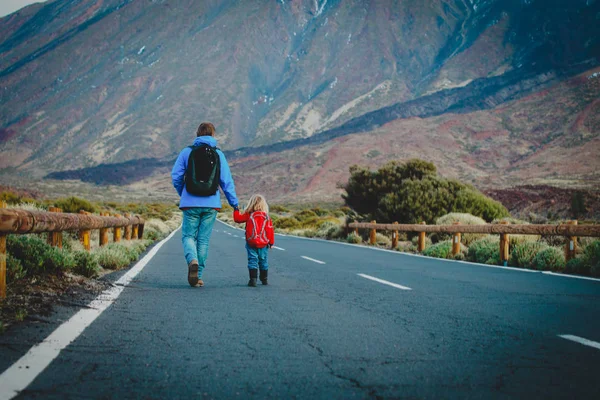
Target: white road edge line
581	340
384	282
279	248
20	375
313	260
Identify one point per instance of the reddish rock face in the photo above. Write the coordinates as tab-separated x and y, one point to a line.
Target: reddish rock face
473	86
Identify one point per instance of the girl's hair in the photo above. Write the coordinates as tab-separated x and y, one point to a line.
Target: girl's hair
257	203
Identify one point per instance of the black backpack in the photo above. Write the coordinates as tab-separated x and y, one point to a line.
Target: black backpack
203	171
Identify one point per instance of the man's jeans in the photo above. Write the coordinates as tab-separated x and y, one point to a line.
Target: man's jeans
258	258
196	230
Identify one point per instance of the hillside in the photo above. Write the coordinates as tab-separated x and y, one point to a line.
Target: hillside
91	82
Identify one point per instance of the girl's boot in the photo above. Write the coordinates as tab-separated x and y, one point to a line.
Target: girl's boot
264	276
253	276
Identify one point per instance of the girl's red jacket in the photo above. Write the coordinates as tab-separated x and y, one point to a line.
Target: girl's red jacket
258	215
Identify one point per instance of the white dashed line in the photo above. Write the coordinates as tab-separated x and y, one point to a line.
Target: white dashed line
278	248
384	282
581	340
313	260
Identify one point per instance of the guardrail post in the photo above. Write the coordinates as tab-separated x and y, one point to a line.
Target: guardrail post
504	246
372	236
140	231
2	260
104	232
395	237
135	233
456	242
85	234
117	231
571	246
128	228
421	244
55	239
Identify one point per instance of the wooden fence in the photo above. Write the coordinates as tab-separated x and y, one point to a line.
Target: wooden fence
54	222
570	231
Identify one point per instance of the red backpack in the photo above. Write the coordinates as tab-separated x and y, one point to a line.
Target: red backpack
256	234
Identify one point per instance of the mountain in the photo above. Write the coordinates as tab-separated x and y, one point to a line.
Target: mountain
97	85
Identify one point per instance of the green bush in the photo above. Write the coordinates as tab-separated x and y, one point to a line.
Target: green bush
441	250
382	240
415	241
113	256
330	230
550	258
462	218
591	257
522	254
37	256
485	250
86	264
74	205
153	235
412	192
278	209
287	223
577	266
14	269
354	238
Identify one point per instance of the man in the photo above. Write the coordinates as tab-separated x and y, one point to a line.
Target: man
200	210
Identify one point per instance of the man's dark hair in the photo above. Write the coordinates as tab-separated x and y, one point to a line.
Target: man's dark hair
206	129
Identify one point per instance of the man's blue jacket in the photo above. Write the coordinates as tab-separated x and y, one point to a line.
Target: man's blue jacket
226	180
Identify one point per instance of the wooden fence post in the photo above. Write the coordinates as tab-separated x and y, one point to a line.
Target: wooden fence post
141	231
372	236
395	237
504	246
421	244
456	242
117	231
135	233
2	260
128	228
55	239
85	234
104	232
571	246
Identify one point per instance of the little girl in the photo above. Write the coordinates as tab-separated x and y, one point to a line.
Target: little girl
259	236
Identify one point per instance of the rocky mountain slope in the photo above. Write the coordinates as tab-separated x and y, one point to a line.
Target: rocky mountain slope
101	82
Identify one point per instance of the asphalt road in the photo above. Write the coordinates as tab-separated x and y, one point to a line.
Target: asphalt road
336	321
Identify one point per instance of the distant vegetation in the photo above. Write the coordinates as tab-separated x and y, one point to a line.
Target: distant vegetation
412	192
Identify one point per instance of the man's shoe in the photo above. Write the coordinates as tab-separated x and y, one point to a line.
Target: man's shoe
193	273
264	276
253	275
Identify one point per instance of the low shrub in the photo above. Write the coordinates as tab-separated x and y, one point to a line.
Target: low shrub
591	257
441	250
113	256
74	205
330	230
522	254
382	240
462	218
278	209
415	241
485	250
550	258
287	223
86	264
353	237
37	256
14	269
577	266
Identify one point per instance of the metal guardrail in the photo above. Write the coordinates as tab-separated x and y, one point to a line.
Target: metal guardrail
18	221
